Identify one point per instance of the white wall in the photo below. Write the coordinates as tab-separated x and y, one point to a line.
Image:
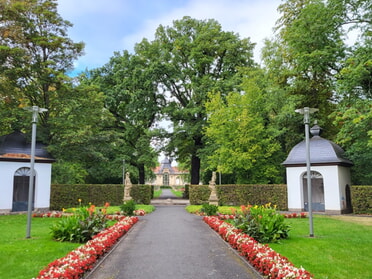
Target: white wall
335	179
42	183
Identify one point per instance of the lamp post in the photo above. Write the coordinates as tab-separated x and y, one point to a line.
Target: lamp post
35	111
123	171
306	111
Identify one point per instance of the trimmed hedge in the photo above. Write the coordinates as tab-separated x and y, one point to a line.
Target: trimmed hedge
361	199
67	195
242	194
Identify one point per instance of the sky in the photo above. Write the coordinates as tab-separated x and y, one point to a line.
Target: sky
107	26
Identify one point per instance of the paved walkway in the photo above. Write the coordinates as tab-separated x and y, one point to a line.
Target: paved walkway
171	243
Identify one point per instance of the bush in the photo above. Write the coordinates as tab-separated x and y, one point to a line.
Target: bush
128	208
209	209
81	226
263	223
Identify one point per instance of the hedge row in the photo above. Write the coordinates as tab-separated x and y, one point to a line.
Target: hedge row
242	194
361	199
65	196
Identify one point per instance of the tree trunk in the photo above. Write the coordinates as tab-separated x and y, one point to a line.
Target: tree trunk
195	170
141	174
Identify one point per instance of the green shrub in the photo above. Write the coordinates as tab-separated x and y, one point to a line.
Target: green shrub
186	192
209	209
263	223
128	208
81	226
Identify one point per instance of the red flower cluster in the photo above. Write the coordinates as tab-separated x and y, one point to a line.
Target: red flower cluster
77	262
226	216
295	215
262	257
51	214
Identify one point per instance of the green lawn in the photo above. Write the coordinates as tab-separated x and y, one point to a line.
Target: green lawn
340	249
22	258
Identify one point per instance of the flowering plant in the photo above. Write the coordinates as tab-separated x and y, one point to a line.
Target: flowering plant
264	223
262	257
80	226
77	262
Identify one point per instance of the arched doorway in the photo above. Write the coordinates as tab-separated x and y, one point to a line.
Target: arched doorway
21	189
348	199
317	191
166	179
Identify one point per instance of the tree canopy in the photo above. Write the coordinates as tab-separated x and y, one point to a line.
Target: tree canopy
227	113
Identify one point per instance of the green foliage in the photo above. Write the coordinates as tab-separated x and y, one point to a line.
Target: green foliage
209	209
65	196
128	208
263	223
361	199
186	193
199	194
242	194
245	143
80	227
190	59
355	137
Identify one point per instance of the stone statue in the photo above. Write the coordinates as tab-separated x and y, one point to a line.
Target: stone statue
127	187
213	199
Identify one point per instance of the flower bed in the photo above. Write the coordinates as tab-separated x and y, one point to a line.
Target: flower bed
260	256
80	260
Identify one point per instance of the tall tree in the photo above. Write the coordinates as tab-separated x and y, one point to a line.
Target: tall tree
190	59
132	97
35	53
245	143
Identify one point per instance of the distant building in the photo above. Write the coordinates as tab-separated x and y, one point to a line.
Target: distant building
15	174
167	175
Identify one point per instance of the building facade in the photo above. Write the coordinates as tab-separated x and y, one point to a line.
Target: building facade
168	175
15	172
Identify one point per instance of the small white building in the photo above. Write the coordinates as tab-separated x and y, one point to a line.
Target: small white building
168	175
15	174
330	176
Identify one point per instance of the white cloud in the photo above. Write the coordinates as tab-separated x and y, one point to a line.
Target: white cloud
115	25
253	19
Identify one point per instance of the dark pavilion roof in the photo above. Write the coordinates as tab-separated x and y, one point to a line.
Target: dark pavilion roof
322	152
15	147
166	163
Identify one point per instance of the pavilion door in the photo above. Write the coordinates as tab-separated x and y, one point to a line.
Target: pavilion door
317	190
21	189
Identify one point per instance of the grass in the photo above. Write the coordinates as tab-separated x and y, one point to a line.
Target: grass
177	193
221	209
22	258
341	248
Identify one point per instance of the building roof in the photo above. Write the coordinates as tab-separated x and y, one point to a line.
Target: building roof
15	147
166	163
322	152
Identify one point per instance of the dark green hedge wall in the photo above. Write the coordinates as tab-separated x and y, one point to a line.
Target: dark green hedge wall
242	194
65	196
361	199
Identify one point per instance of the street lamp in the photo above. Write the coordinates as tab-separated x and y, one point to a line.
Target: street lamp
306	111
35	111
123	171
